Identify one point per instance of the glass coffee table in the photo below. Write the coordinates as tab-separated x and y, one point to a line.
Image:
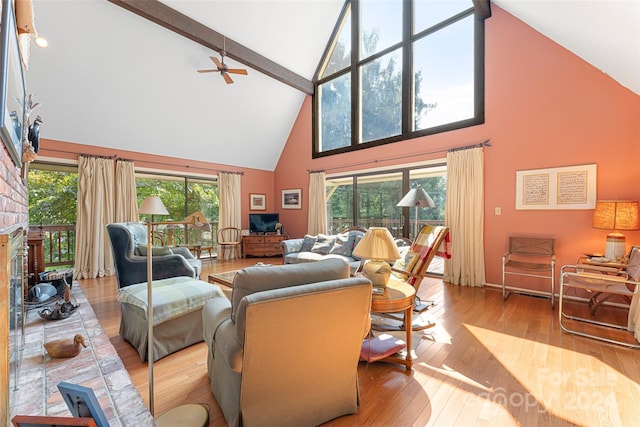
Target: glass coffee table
224	278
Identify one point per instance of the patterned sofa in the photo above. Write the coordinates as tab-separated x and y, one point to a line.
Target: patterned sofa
322	246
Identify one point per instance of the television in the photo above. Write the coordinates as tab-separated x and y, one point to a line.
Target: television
262	223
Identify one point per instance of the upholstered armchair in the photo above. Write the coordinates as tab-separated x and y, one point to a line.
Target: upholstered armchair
129	245
283	325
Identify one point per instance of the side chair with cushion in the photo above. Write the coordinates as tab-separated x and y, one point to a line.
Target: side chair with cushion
129	246
282	324
530	257
604	280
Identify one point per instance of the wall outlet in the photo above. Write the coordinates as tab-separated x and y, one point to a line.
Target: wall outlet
498	211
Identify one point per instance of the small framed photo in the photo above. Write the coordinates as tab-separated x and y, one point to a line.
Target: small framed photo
257	202
292	199
82	403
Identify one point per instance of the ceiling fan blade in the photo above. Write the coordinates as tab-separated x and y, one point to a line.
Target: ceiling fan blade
208	71
227	78
217	62
237	71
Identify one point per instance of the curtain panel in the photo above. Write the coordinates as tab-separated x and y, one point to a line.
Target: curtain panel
229	187
317	220
126	195
464	215
96	205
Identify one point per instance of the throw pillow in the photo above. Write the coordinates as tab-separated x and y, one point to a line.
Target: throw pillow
356	240
308	243
155	251
343	244
406	262
323	244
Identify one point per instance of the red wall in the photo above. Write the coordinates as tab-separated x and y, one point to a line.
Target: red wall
545	107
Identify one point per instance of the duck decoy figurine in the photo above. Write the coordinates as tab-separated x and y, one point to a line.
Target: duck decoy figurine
61	349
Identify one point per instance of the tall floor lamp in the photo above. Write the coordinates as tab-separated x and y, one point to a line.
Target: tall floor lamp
190	414
416	197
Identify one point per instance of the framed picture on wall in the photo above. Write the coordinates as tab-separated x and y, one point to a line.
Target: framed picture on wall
292	199
12	83
257	202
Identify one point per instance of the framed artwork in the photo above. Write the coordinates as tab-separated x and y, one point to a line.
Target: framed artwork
570	187
292	199
257	202
12	84
82	403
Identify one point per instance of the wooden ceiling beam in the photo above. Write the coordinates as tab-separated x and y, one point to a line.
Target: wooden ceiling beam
169	18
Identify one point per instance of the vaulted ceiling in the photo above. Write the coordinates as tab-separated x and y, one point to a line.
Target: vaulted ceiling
114	79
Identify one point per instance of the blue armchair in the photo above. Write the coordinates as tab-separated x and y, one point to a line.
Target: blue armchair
129	245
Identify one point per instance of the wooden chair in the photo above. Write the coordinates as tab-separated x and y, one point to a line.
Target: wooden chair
597	279
412	268
229	238
530	257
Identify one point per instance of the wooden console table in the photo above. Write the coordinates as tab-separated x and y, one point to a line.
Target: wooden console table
262	245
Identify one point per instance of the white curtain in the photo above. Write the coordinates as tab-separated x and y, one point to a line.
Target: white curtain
126	196
95	210
464	215
229	185
317	204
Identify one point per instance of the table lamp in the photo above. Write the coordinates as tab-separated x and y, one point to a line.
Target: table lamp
378	247
416	197
616	215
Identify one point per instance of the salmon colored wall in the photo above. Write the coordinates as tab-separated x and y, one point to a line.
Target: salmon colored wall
545	107
253	180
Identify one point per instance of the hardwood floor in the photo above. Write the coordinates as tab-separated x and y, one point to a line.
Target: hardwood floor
487	362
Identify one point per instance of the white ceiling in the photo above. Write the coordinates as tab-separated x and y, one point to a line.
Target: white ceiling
113	79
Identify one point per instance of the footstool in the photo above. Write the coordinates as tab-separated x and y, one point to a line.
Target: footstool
177	314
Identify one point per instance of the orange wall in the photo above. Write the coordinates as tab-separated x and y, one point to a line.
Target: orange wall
545	107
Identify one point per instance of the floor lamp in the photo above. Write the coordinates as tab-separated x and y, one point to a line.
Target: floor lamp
416	197
190	414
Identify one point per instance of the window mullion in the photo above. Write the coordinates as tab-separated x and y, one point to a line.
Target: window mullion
355	73
407	67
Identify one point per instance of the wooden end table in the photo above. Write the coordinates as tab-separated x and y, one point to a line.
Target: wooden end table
397	297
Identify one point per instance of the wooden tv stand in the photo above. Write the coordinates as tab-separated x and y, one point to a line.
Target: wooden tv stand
262	245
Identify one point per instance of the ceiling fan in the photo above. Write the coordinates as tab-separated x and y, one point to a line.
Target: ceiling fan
223	69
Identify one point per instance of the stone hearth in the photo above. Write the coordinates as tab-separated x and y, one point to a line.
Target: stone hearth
97	366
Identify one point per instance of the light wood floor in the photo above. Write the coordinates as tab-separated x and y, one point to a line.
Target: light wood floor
486	363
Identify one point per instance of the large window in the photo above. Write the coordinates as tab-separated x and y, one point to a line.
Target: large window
398	70
370	199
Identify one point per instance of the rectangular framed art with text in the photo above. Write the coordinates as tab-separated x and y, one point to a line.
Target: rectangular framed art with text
257	202
12	85
292	199
570	187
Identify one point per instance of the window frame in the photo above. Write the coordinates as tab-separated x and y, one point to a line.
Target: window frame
351	11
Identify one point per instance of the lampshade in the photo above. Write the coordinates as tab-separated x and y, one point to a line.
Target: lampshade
152	205
416	197
378	246
377	243
616	215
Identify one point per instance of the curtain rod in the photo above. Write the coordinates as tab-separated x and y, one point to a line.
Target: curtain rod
484	143
115	156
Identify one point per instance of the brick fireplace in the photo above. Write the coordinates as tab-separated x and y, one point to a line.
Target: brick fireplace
14	220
